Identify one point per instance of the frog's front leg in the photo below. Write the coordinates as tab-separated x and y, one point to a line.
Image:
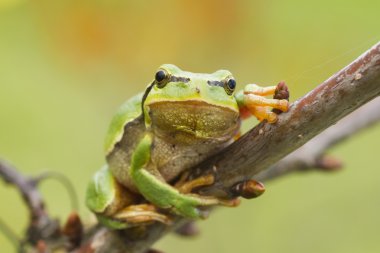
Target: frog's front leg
253	99
185	186
161	194
115	206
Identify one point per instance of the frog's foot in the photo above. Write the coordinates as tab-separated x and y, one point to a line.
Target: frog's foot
259	106
140	214
182	180
188	187
185	187
251	100
196	206
263	113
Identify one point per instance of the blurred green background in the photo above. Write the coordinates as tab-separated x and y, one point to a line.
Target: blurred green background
65	66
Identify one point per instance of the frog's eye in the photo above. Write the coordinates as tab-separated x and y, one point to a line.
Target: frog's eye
230	85
161	78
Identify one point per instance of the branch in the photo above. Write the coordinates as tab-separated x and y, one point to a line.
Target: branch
312	154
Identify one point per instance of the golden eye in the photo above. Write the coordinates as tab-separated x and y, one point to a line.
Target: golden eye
162	78
230	85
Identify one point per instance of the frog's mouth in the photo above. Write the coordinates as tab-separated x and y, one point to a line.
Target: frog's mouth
194	118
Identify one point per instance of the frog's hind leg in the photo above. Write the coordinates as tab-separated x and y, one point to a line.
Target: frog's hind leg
115	206
135	215
143	213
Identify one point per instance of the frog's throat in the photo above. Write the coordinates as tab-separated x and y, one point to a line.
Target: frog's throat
194	118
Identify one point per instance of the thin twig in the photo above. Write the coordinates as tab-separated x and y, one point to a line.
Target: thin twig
65	182
41	226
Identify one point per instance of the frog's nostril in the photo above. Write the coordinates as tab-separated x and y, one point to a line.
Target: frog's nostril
197	90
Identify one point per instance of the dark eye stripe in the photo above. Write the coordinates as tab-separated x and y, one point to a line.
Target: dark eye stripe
216	83
179	79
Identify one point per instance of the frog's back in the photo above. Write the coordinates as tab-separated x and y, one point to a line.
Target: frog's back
126	130
127	113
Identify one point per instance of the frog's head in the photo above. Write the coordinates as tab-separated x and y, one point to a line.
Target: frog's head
192	104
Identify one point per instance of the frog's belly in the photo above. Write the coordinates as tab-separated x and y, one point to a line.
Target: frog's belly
168	158
172	159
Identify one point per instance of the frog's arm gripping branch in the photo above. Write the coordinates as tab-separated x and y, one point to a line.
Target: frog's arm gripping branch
266	151
253	101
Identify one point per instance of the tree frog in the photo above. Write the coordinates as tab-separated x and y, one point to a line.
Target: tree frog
181	119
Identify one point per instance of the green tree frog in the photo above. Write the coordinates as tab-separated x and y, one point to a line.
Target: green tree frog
181	119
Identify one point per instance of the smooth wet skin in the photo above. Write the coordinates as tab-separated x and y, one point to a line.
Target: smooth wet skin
181	119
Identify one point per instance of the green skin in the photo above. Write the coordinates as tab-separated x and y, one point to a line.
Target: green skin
155	136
